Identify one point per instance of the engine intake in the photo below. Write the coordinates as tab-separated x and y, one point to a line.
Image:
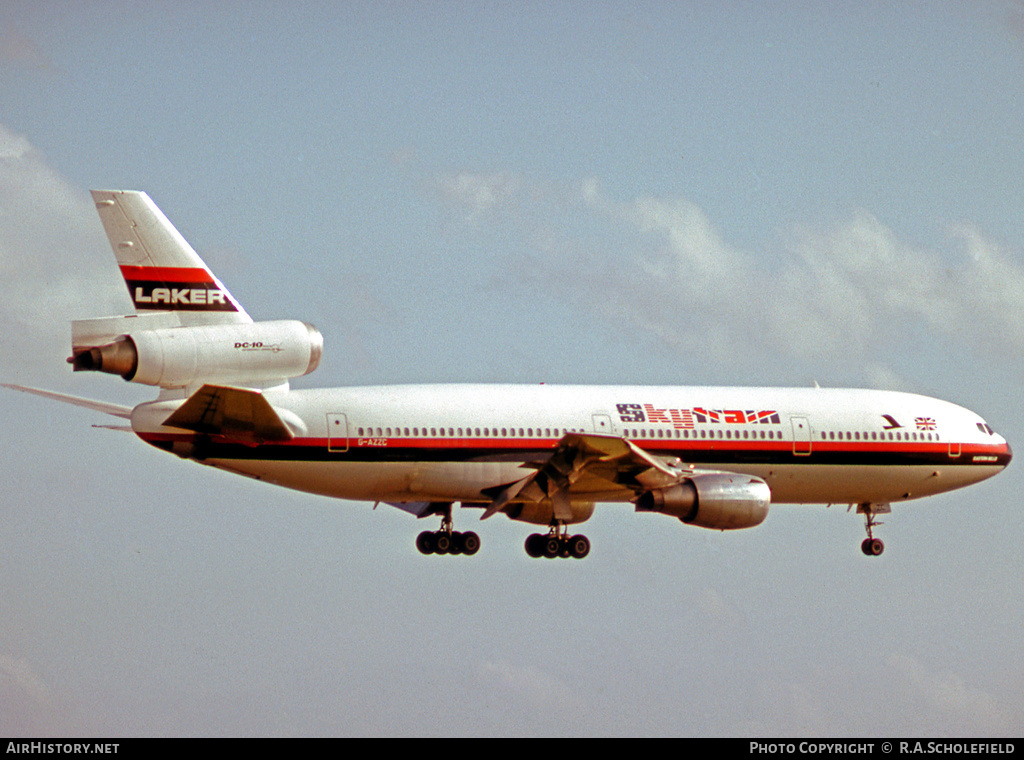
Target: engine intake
717	500
260	353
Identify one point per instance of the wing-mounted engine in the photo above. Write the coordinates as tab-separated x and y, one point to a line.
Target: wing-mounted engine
717	500
581	467
254	353
584	467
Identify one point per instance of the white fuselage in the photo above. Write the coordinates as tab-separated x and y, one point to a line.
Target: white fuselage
447	443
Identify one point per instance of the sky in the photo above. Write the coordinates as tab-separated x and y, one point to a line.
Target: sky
743	193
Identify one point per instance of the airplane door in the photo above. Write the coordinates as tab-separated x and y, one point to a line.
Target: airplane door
337	432
602	424
801	436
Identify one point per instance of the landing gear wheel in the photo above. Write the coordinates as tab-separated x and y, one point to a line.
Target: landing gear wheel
557	544
442	542
535	545
425	542
579	546
552	547
872	547
470	543
456	547
446	540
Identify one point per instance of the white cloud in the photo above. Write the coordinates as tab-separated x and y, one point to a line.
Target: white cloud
478	195
529	686
19	673
699	256
852	291
54	261
18	49
990	291
962	707
852	296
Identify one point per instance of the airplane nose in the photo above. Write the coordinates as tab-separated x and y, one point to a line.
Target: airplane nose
1009	453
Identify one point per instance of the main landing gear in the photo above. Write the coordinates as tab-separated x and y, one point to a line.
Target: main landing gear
872	546
446	540
557	543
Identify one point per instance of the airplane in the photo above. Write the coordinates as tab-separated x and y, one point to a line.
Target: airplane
712	457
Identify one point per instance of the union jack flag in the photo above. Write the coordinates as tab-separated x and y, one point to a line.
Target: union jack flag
925	423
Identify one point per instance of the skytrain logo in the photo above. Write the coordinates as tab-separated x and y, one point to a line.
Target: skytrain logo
687	419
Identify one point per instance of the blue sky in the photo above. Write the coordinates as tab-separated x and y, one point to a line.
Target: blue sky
673	193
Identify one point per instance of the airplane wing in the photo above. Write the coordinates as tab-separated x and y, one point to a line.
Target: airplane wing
232	412
117	410
589	463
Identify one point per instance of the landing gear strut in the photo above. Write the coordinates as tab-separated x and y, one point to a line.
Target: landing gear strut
557	543
872	546
446	540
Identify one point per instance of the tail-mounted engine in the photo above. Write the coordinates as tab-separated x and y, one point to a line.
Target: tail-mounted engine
717	500
255	353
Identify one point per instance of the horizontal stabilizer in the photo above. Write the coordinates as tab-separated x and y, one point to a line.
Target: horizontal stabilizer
117	410
231	412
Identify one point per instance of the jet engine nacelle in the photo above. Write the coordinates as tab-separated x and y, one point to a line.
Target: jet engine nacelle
721	501
260	353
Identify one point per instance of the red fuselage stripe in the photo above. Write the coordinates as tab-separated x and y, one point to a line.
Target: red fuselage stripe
669	445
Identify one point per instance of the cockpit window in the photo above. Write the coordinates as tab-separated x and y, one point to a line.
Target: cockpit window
984	428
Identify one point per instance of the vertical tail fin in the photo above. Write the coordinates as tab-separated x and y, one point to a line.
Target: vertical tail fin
162	271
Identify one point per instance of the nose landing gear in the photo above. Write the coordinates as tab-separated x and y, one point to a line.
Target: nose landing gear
872	546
